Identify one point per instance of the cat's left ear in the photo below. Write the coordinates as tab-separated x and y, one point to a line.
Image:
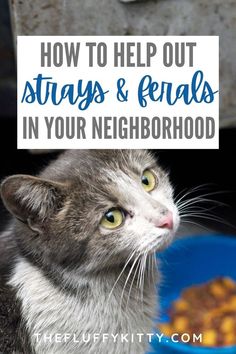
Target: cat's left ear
32	200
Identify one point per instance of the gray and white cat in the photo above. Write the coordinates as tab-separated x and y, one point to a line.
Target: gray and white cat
81	250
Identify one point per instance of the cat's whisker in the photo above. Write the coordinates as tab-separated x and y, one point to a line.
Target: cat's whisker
186	221
153	267
139	273
138	277
139	280
207	217
141	285
190	191
196	208
155	261
143	275
183	201
202	213
127	279
196	200
199	199
122	271
132	282
149	267
186	191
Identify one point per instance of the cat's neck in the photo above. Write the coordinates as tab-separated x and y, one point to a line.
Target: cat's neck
45	306
131	278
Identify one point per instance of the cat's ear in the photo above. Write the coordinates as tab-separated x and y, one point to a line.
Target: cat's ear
31	199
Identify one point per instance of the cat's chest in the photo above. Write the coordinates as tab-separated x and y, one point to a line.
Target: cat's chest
59	322
72	327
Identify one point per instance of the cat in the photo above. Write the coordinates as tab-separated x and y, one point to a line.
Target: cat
81	252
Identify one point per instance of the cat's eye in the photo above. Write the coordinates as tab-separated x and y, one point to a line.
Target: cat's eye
113	218
148	180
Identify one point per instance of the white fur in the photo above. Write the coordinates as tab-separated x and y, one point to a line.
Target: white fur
140	232
48	310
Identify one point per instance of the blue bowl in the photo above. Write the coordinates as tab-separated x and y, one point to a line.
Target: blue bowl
191	261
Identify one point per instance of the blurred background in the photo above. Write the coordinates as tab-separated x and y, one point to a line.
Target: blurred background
188	168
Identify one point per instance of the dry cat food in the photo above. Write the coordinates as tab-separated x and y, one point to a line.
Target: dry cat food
208	309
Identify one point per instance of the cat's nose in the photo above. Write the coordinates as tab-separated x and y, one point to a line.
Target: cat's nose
166	221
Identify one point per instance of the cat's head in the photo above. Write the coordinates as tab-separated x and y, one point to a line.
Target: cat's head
93	208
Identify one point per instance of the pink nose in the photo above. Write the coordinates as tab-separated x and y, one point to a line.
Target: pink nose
166	222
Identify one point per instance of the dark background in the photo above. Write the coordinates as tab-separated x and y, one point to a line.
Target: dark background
188	168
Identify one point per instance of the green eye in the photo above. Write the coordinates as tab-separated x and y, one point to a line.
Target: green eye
148	180
113	218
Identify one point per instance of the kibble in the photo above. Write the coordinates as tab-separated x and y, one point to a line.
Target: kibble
209	310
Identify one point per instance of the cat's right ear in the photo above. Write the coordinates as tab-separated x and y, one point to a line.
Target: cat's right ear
31	199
